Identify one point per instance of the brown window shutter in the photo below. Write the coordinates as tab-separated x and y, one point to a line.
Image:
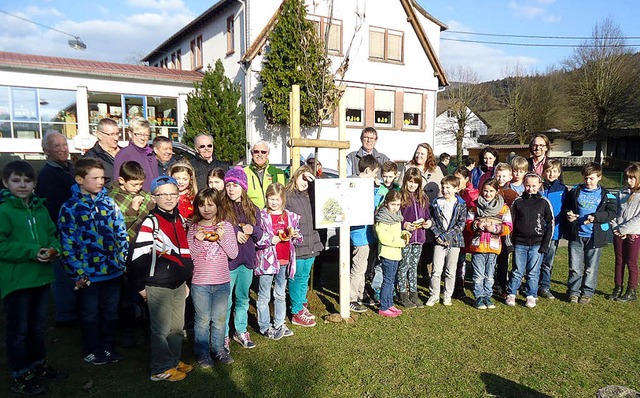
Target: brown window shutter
369	111
399	110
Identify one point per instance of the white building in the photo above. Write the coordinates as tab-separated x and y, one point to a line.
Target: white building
447	126
392	80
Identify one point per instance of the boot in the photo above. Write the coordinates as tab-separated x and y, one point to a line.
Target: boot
616	293
413	296
629	295
404	300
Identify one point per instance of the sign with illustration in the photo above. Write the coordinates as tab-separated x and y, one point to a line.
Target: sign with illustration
343	202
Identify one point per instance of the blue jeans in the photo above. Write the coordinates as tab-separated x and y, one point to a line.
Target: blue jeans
389	271
210	303
527	263
64	297
279	299
484	265
99	314
241	278
376	281
584	261
166	320
26	314
299	284
547	266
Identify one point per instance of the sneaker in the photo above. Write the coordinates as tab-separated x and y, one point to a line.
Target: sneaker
227	340
573	299
48	373
112	356
95	359
308	313
274	334
544	293
396	310
511	300
446	301
531	302
301	319
584	300
432	301
204	361
479	303
244	339
286	332
357	307
388	313
27	384
184	367
172	374
223	357
489	303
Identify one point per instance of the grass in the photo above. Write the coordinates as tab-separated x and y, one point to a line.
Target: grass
553	350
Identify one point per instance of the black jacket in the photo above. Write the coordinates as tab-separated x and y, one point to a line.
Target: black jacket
107	160
532	218
311	246
202	168
605	212
54	184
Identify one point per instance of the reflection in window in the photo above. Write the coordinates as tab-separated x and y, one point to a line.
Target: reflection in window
25	105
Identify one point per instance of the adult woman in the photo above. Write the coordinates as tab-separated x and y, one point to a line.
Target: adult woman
487	158
425	161
139	151
538	148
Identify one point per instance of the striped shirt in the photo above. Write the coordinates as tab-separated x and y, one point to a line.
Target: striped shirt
211	259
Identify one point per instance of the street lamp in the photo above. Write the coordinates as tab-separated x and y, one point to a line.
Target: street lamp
76	43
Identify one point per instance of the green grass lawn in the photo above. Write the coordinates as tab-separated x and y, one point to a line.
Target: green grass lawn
553	350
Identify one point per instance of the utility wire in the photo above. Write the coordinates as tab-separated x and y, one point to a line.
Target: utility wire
608	45
39	24
536	36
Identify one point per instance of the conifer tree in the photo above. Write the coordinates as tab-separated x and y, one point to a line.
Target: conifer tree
215	109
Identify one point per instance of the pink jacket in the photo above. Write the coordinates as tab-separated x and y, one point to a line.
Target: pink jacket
266	258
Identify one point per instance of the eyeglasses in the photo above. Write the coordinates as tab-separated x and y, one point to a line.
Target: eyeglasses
166	195
538	146
140	135
257	151
109	134
205	146
369	138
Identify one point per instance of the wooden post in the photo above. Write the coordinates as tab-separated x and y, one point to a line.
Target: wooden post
294	116
345	231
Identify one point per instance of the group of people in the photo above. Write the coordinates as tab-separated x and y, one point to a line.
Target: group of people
133	230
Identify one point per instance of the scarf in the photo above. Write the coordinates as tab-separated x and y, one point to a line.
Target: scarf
384	216
489	208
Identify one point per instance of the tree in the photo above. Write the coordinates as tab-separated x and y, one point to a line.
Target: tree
215	109
603	83
296	55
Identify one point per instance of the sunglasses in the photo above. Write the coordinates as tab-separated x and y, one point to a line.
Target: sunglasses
257	151
206	146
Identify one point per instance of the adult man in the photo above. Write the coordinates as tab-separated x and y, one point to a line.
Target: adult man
106	148
538	148
204	160
260	174
163	148
54	183
368	137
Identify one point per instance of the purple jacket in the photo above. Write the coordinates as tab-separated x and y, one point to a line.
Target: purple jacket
415	212
144	156
247	250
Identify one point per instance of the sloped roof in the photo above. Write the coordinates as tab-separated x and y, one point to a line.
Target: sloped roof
445	104
28	62
430	17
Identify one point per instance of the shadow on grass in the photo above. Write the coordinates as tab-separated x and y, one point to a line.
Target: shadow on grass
498	386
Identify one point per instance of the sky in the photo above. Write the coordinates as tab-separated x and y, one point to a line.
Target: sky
127	30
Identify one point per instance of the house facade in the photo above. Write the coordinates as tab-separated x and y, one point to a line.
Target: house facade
391	82
447	126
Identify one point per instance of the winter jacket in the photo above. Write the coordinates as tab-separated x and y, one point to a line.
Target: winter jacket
477	174
430	181
97	152
300	203
451	232
258	188
266	257
247	250
469	194
508	194
203	167
390	242
627	222
488	241
211	259
93	236
132	218
605	212
414	212
165	233
185	206
556	192
145	156
353	159
54	184
532	217
163	168
381	191
24	230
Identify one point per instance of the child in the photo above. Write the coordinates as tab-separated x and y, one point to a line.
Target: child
556	192
415	211
275	261
27	245
160	264
532	230
215	179
132	201
520	167
626	239
488	219
212	243
390	243
449	216
299	202
468	194
240	211
94	242
185	175
589	209
504	177
362	240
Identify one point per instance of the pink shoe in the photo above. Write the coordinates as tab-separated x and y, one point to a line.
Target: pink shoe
388	313
396	310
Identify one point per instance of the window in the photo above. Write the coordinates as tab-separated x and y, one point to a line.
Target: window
178	64
354	103
230	35
386	45
412	117
334	41
384	102
577	148
473	133
196	53
450	113
173	60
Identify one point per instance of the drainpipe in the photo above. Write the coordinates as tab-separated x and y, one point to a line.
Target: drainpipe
247	70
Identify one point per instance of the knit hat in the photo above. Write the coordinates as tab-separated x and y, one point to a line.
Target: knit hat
237	175
159	181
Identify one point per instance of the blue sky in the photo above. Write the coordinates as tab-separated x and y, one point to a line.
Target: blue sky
126	30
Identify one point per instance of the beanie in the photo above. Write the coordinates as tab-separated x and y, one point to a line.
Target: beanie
237	175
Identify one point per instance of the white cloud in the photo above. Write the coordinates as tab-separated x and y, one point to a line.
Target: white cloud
545	1
39	11
526	10
157	4
552	19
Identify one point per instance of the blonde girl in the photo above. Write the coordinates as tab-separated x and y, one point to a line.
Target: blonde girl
215	179
186	177
275	261
212	243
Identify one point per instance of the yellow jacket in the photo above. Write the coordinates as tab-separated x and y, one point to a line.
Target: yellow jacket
390	242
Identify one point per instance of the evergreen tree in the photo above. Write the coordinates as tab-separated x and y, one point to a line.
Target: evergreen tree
295	55
215	109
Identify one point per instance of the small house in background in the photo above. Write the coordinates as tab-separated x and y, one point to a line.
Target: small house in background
447	127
